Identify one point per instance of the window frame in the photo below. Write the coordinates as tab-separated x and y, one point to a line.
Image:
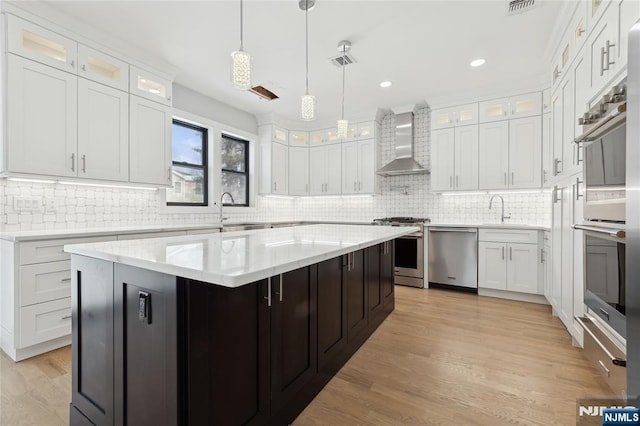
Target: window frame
204	167
246	173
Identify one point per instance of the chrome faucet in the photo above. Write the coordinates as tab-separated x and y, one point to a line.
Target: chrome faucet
222	219
502	216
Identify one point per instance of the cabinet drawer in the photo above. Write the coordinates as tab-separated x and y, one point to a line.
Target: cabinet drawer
44	282
150	235
508	235
44	321
51	250
596	346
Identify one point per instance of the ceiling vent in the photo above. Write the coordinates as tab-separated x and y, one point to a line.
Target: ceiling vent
515	7
263	93
344	58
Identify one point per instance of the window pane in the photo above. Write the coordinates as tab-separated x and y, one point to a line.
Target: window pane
187	144
188	186
233	155
236	184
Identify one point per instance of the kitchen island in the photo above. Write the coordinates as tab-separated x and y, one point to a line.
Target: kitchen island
237	328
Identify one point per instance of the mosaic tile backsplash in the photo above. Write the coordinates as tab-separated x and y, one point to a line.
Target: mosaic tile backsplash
70	206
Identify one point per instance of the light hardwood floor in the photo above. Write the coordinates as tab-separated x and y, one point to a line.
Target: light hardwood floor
441	357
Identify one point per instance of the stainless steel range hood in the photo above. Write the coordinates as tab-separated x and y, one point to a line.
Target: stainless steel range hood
403	164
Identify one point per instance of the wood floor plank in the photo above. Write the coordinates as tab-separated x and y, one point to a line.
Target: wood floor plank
441	358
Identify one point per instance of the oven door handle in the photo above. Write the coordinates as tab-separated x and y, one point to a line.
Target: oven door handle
411	237
616	233
469	230
612	120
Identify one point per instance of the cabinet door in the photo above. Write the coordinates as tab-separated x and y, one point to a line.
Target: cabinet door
317	138
556	142
492	265
366	130
42	119
442	159
39	44
493	157
466	114
547	152
334	170
628	11
442	118
349	167
386	275
298	171
522	268
317	170
97	66
580	105
332	310
279	169
366	166
150	86
603	50
374	283
103	132
145	346
525	150
527	105
494	110
294	343
466	157
556	249
578	261
354	276
227	379
566	298
545	258
92	350
298	138
149	142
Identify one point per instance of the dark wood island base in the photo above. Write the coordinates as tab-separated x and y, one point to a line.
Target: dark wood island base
151	348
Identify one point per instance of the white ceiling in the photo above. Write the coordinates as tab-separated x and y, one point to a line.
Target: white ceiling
423	47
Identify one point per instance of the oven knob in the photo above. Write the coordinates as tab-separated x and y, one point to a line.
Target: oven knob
606	99
620	89
581	121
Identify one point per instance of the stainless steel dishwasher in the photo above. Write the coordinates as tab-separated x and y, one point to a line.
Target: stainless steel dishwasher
453	257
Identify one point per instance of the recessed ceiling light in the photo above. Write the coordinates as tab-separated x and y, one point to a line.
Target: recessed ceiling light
477	62
385	84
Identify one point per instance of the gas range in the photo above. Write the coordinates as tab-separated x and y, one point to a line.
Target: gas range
402	221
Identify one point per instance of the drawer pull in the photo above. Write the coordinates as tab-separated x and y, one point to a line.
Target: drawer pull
64	280
66	317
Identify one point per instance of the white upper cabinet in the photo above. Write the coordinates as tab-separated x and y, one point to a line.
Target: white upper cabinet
526	105
493	161
442	159
150	86
461	115
97	66
525	152
366	130
358	167
628	12
325	170
557	153
325	136
578	27
149	142
274	168
103	132
603	47
39	44
41	119
466	158
298	171
547	153
298	138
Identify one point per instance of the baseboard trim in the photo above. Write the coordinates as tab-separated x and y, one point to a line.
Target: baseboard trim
513	295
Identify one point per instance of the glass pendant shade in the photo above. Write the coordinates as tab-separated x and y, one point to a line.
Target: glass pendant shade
307	107
241	70
343	125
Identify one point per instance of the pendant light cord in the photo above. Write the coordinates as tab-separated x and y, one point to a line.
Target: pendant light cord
344	52
241	32
306	33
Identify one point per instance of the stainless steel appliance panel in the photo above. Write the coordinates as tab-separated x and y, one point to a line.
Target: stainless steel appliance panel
453	256
409	256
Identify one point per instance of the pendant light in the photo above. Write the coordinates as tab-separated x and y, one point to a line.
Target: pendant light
241	63
343	124
307	102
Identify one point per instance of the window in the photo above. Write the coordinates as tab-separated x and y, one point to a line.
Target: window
189	171
235	170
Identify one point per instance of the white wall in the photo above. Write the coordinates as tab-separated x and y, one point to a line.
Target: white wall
81	207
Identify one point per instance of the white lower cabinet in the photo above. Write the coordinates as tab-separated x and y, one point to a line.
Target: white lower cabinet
44	321
149	142
298	170
325	169
508	260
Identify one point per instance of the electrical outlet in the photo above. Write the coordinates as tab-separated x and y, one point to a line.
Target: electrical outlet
50	205
27	204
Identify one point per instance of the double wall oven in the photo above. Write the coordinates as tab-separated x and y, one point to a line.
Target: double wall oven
409	251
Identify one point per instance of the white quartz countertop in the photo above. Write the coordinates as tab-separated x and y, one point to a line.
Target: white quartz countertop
96	232
489	225
233	259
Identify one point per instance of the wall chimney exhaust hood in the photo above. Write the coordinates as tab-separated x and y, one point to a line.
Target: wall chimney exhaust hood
403	164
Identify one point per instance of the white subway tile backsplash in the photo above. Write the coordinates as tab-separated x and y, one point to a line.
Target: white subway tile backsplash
68	206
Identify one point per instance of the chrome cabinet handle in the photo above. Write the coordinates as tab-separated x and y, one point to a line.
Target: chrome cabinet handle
457	181
66	317
279	293
502	252
359	186
84	163
84	67
268	296
510	253
578	194
505	178
64	280
306	188
169	98
73	64
607	51
73	161
275	186
555	195
556	170
541	255
601	61
512	178
169	174
544	176
578	159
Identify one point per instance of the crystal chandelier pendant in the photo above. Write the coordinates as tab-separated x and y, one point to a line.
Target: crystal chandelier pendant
241	70
307	107
343	125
